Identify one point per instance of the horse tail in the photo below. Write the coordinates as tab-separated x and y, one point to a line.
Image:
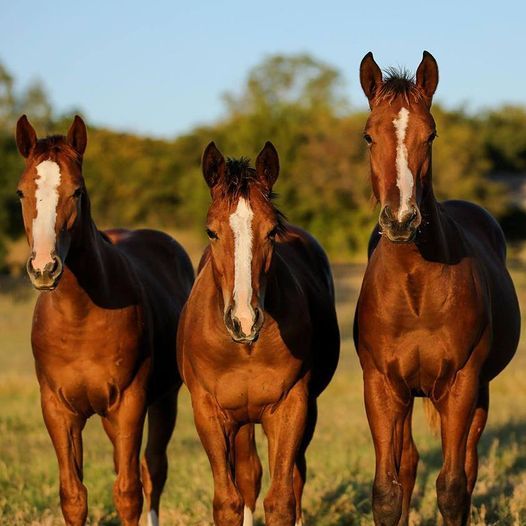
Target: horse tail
432	416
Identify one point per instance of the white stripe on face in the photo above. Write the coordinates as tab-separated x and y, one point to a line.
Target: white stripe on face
241	224
404	177
247	517
46	195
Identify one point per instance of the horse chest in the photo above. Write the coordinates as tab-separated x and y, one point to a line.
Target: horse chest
421	319
89	364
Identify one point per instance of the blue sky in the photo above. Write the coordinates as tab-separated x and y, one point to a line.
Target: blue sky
160	67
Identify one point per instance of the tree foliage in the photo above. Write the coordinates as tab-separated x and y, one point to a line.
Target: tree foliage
298	103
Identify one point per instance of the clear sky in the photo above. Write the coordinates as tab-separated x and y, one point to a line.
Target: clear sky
160	67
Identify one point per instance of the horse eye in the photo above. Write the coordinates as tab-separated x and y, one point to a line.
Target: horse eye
20	194
272	234
368	139
77	193
432	137
211	234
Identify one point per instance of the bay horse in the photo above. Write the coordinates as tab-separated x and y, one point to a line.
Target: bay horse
437	314
104	326
258	341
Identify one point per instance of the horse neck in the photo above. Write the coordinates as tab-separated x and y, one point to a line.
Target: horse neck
438	240
84	269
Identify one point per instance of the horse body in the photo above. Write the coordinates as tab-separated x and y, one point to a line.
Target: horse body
258	341
246	382
104	329
437	314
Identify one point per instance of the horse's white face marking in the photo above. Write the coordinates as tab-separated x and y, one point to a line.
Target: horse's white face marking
241	224
299	522
153	520
247	517
46	195
404	177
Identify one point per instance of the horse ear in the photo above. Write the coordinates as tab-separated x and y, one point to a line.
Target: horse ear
78	135
267	165
213	165
370	76
26	137
427	75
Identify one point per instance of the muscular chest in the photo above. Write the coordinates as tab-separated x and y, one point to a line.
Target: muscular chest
88	362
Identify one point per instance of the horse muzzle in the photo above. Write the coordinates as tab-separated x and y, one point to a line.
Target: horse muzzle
400	229
235	327
47	278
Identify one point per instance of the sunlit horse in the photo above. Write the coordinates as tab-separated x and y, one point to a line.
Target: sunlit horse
437	315
104	327
258	341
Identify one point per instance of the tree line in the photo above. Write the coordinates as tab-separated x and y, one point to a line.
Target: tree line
297	102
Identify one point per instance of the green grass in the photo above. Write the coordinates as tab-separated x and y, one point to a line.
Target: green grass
341	457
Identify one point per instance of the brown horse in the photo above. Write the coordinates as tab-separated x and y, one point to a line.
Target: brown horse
258	341
437	315
104	327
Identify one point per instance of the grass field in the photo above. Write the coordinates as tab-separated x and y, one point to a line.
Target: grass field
341	457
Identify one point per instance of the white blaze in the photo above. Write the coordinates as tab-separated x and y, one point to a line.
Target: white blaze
46	196
404	177
241	224
247	517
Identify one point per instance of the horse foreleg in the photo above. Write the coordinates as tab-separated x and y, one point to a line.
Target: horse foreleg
475	432
408	466
300	466
284	426
127	421
217	434
161	422
456	416
248	470
386	413
65	429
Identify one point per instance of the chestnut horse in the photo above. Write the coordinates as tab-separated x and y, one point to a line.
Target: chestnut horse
437	314
104	326
258	341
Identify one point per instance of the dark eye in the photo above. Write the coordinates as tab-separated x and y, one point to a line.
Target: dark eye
211	234
368	139
432	137
77	193
20	194
273	233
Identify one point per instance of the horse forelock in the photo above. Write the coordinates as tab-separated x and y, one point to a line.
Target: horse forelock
398	82
55	148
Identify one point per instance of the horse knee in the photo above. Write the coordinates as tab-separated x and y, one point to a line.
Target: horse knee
387	502
228	510
127	493
74	504
453	498
280	507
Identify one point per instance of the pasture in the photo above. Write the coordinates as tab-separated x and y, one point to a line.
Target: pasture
341	458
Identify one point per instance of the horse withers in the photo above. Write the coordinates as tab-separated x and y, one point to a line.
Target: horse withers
258	341
104	326
437	314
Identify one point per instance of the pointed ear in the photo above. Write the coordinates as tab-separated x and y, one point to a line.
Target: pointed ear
213	165
267	165
427	75
370	76
78	135
26	137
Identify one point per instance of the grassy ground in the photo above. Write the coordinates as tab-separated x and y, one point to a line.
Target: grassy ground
341	457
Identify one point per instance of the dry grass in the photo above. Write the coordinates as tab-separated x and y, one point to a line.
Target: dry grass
341	457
